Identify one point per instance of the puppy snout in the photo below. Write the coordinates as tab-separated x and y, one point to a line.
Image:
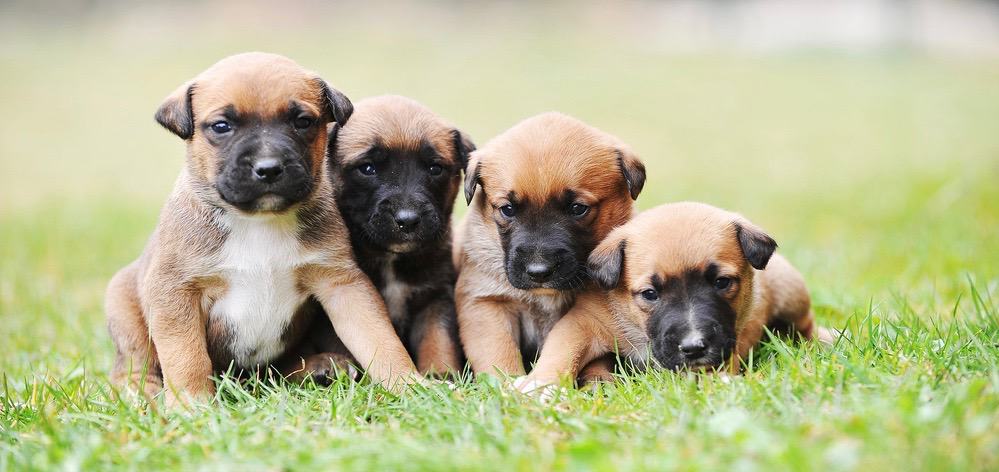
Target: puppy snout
693	347
268	170
407	220
540	271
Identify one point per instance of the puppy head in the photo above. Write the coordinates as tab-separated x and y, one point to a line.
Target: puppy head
683	272
255	126
553	187
397	168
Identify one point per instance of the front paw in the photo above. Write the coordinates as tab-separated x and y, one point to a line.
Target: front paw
181	400
324	367
543	390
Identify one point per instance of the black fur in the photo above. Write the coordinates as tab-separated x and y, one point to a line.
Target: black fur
634	174
605	269
337	104
546	233
177	116
690	306
756	245
418	257
254	140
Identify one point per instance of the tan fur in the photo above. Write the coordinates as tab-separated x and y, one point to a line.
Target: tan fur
538	159
668	240
159	307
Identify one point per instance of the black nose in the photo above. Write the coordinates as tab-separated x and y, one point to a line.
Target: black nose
693	347
407	220
540	271
268	170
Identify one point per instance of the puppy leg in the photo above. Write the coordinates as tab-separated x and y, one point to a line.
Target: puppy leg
320	356
434	336
177	327
599	370
135	365
361	321
489	332
573	342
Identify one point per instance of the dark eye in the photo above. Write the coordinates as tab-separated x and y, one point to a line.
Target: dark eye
367	169
303	122
722	283
578	209
508	210
650	295
435	169
221	127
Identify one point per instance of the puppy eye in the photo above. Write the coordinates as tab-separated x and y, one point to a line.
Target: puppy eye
723	283
578	209
221	127
508	210
435	169
303	122
367	169
650	295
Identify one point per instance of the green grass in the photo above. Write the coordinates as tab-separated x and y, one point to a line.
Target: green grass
876	174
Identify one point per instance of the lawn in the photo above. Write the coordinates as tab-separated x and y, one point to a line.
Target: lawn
877	174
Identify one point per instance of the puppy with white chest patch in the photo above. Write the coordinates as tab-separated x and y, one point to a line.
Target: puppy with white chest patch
396	168
250	249
552	188
688	284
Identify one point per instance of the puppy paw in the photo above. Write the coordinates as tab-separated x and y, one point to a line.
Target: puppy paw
543	390
324	367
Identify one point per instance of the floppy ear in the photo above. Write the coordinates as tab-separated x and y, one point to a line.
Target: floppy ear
175	113
471	177
332	130
607	261
757	246
463	146
633	170
337	104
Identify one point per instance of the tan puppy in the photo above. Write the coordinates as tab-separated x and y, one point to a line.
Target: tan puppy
552	188
688	283
250	243
396	172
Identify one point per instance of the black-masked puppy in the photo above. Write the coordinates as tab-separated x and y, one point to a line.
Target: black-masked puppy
551	188
396	170
250	248
689	284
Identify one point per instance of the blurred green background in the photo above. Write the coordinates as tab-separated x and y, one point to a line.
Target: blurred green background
875	169
874	163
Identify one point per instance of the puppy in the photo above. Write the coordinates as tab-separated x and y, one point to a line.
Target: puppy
687	283
250	248
552	188
396	169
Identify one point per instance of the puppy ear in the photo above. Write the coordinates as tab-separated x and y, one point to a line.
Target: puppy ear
332	130
471	177
757	246
337	104
463	146
633	170
607	261
175	113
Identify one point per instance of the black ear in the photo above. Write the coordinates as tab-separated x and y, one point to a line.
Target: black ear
633	170
332	130
175	113
471	178
757	246
337	104
606	263
463	146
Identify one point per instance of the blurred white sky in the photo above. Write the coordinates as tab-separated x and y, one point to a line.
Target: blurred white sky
939	27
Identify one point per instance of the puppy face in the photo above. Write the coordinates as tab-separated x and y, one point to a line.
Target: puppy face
397	169
255	125
553	187
684	273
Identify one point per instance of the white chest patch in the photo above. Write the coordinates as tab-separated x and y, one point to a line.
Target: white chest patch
395	292
258	262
